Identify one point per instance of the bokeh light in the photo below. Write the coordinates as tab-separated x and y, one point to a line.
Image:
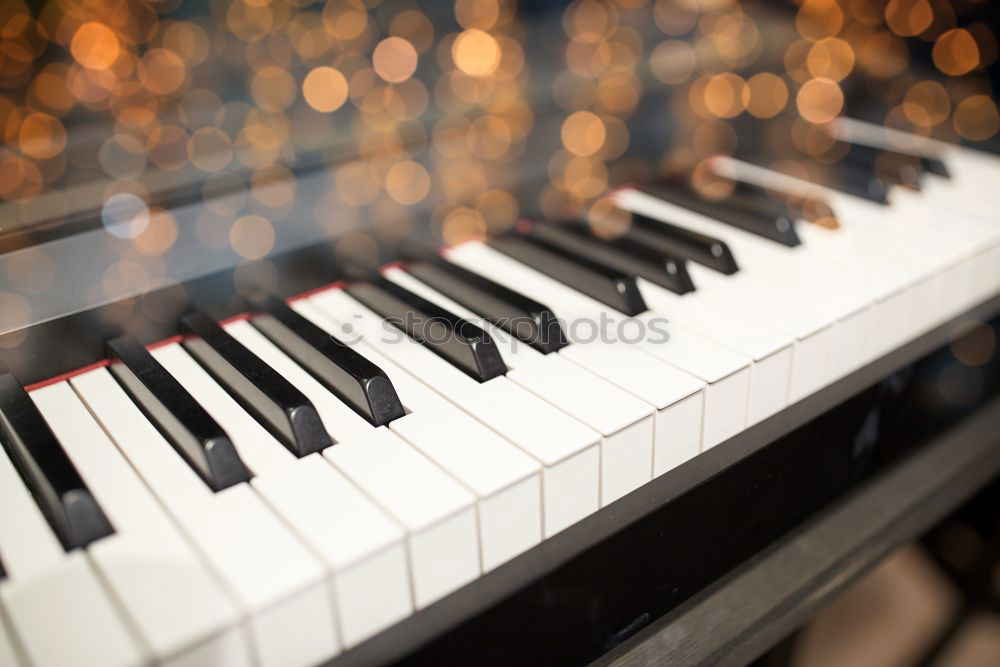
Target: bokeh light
95	45
476	53
394	59
819	100
453	116
325	89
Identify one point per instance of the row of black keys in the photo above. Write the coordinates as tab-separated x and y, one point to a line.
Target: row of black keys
605	269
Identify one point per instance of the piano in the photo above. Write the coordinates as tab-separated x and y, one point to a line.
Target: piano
369	333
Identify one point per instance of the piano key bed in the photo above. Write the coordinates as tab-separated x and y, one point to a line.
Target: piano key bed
355	468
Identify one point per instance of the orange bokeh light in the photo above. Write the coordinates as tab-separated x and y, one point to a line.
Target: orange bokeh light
95	45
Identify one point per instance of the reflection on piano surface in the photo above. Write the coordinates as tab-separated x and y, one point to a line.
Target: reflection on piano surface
332	328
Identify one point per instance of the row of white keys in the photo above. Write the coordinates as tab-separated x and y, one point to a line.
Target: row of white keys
725	371
816	292
939	210
935	256
815	315
965	202
9	652
940	254
819	289
911	285
676	396
272	576
772	351
939	258
60	613
438	513
626	423
567	450
933	259
916	284
898	282
892	283
435	513
179	609
985	273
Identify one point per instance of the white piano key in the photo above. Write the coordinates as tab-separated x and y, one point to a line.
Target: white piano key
567	449
28	546
438	513
276	582
726	371
986	276
58	608
974	175
506	481
176	605
8	652
816	273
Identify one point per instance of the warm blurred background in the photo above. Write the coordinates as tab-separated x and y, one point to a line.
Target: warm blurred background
468	111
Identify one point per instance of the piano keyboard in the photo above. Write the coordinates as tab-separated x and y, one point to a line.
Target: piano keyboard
279	487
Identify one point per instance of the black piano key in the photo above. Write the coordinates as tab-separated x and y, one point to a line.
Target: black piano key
936	166
681	242
460	342
761	216
358	382
891	166
847	177
854	180
800	207
623	254
598	281
47	471
185	424
263	392
523	318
